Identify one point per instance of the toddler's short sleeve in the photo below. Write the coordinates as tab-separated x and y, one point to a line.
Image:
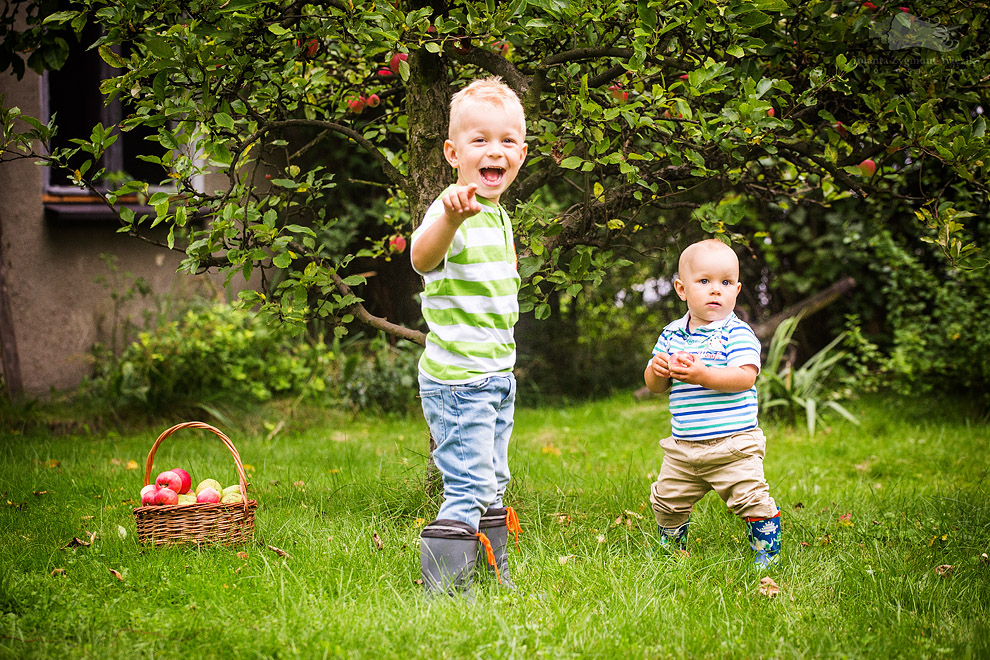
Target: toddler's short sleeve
743	347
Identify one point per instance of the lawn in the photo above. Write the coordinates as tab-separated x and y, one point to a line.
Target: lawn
872	516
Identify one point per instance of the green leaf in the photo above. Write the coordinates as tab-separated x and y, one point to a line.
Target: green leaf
282	260
354	280
224	120
59	17
571	162
112	58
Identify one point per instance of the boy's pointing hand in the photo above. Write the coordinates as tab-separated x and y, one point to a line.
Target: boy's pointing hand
460	203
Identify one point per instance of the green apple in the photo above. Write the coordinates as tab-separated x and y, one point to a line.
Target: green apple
186	498
208	483
235	489
231	498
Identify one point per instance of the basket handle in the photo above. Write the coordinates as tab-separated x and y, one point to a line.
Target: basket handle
219	434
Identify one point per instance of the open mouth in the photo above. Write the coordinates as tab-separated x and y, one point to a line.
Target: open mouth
492	175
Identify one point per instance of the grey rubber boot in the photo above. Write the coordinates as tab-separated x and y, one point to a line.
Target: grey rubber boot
448	550
495	524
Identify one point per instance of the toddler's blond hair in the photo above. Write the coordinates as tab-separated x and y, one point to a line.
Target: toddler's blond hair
491	91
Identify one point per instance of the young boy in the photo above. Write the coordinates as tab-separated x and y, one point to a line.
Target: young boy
465	252
710	359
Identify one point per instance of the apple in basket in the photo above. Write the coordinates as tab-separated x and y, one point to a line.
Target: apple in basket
166	496
208	483
235	489
186	498
170	480
231	498
186	480
208	496
148	494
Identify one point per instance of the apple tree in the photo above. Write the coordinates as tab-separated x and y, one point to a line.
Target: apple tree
638	112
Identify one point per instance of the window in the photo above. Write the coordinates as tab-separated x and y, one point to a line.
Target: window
72	94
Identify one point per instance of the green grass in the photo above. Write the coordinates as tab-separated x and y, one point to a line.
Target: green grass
869	512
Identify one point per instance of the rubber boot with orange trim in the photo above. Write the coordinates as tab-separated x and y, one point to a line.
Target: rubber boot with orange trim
448	550
496	524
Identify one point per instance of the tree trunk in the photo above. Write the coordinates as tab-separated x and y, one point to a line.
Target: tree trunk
9	361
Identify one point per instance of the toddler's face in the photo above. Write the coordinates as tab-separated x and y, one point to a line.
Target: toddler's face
487	146
709	282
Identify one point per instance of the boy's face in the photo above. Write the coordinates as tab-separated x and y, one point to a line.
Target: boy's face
708	280
487	145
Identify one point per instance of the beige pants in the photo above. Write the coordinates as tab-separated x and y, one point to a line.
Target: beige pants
732	466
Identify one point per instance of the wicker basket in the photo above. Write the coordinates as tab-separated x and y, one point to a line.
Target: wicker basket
224	524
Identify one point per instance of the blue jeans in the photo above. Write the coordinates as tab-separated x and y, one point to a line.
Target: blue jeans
471	425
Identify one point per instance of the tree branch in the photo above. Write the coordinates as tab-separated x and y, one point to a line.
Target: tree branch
363	315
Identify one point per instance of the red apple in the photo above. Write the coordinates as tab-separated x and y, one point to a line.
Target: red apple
186	480
684	76
869	6
770	112
841	129
685	358
169	479
384	72
396	59
868	167
618	93
166	496
148	494
312	48
501	47
356	104
372	101
397	243
208	496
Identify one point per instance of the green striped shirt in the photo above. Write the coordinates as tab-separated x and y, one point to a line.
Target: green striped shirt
470	301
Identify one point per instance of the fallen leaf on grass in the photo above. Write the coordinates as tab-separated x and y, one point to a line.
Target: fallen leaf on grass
944	570
76	541
633	514
242	555
39	493
419	522
117	575
298	484
378	542
116	461
279	552
984	558
121	532
805	544
564	559
769	588
601	538
563	519
550	449
53	463
418	581
58	571
131	465
248	467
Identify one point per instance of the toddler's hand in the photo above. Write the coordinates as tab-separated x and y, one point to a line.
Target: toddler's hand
460	203
660	364
686	368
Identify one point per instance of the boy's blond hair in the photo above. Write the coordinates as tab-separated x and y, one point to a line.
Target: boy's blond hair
491	91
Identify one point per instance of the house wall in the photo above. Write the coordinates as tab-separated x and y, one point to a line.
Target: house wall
59	310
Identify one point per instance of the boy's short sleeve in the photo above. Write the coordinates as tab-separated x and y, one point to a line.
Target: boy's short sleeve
743	347
433	214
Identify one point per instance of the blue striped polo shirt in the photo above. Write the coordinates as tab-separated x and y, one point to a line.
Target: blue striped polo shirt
698	413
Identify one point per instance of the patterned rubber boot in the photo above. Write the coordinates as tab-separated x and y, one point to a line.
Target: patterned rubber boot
448	550
764	539
674	539
496	524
